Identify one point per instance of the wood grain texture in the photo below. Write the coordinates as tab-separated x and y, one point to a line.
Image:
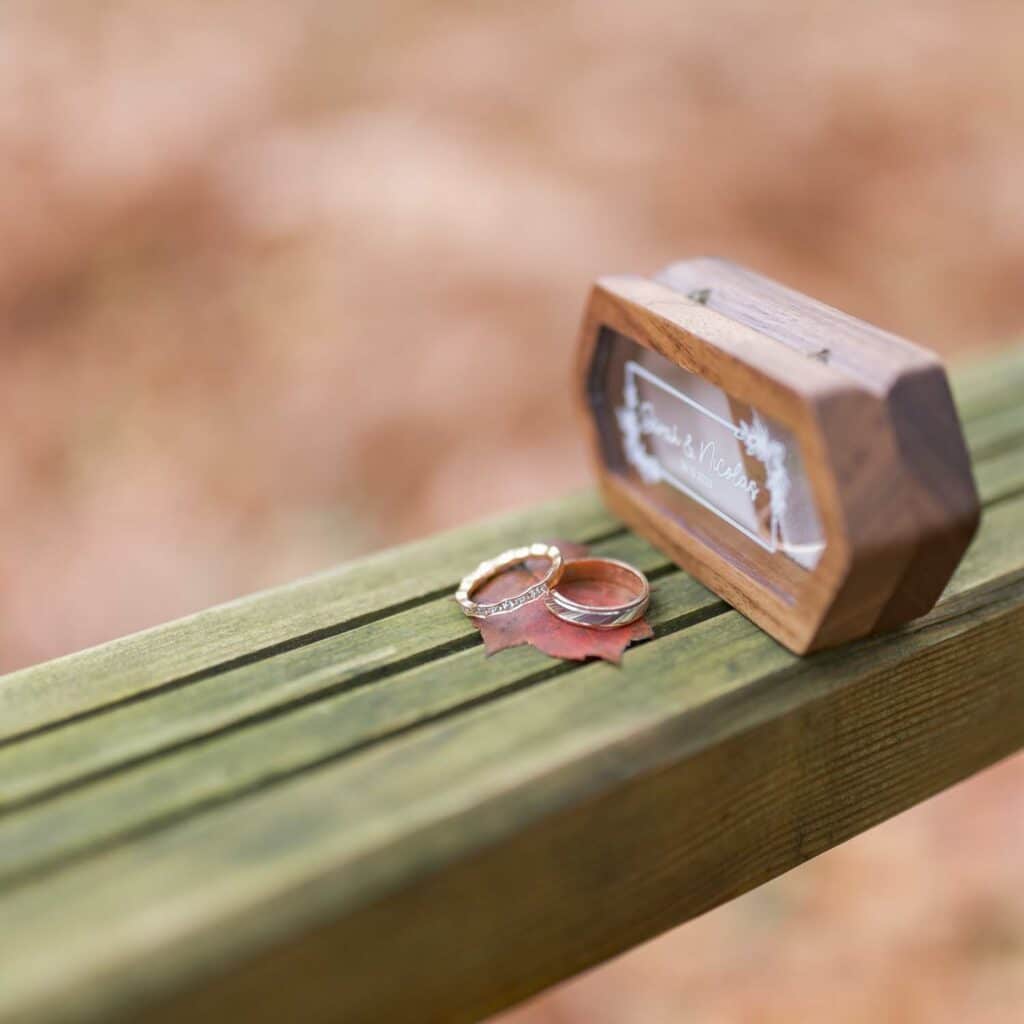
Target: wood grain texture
872	416
267	623
370	820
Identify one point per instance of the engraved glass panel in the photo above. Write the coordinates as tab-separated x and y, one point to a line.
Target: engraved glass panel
682	439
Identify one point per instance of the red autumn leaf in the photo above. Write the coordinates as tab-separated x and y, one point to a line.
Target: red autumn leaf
534	624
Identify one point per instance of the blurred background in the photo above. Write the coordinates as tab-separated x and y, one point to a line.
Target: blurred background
262	264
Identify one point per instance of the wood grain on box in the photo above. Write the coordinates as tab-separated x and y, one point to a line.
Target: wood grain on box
875	424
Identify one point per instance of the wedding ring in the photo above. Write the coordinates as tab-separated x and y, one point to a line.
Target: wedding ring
602	616
488	570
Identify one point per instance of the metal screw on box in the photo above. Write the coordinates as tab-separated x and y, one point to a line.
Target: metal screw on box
806	466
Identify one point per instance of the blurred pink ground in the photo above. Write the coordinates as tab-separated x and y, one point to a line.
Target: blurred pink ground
264	262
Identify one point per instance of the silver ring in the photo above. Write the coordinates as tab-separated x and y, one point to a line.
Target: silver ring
488	570
607	570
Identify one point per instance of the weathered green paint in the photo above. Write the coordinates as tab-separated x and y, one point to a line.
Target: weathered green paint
337	664
370	588
369	798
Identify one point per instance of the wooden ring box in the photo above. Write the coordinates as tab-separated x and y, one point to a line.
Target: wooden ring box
806	466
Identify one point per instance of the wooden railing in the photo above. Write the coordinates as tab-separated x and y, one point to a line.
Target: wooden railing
323	803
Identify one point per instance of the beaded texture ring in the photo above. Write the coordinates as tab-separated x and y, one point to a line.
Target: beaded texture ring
495	566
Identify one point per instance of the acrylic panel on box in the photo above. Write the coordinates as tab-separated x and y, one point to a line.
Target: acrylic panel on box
683	441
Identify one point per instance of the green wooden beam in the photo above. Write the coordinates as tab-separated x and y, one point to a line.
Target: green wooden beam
325	803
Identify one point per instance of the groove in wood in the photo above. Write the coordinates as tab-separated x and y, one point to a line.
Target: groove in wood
211	846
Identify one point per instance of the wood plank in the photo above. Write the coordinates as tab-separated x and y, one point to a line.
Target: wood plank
988	382
802	753
336	665
329	603
50	832
1001	476
336	818
996	432
272	621
181	723
197	772
134	731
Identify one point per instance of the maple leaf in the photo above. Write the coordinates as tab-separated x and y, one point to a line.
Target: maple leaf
534	624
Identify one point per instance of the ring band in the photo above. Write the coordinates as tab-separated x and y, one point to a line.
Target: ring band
605	570
488	570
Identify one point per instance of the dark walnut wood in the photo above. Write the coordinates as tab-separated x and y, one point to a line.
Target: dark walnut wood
872	462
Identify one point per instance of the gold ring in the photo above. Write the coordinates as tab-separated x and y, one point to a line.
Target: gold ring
488	570
607	616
